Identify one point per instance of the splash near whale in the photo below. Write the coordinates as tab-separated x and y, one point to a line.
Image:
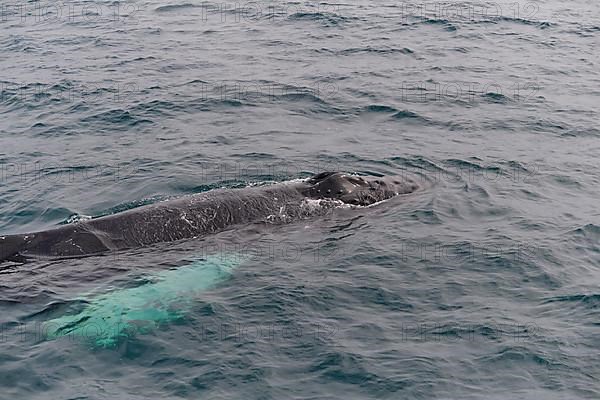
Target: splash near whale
204	213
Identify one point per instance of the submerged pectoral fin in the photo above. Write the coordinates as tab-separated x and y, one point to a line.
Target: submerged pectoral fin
126	312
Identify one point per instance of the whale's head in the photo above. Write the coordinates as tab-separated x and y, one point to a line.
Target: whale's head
357	190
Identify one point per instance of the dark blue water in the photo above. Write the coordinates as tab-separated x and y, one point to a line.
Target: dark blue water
485	284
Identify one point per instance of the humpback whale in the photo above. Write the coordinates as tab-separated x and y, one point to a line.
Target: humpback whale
204	213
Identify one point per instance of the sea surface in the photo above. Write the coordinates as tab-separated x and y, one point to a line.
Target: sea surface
484	284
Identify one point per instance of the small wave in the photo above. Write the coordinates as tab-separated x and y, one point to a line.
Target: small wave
383	50
589	300
464	164
495	97
327	19
409	115
133	60
217	104
585	30
158	108
19	43
117	117
546	126
524	21
309	102
302	97
174	7
35	94
395	114
588	231
566	181
446	24
512	354
426	216
376	108
471	331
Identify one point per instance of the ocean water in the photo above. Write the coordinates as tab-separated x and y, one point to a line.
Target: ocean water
483	284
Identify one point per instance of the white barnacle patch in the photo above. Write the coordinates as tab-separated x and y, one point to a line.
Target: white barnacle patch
280	217
70	241
184	218
314	205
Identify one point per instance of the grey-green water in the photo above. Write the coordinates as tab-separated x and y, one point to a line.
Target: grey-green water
483	285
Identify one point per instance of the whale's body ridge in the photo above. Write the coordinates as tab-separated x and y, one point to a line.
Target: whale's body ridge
203	214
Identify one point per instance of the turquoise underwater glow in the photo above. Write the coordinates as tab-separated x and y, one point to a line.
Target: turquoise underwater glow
166	297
